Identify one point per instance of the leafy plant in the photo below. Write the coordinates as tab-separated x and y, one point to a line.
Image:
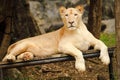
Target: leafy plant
108	39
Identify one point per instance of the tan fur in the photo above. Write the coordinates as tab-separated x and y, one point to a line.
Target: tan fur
25	56
72	39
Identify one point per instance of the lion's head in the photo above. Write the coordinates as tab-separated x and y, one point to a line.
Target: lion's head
71	17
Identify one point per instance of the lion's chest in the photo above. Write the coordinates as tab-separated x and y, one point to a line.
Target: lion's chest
82	45
80	40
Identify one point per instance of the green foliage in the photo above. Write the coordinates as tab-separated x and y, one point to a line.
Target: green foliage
108	39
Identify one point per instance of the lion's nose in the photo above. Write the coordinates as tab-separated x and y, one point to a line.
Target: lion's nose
71	22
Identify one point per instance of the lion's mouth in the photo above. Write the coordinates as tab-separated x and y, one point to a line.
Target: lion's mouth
71	26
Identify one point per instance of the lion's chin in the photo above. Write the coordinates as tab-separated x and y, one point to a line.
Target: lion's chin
72	28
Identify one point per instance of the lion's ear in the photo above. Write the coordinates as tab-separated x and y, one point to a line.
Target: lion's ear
62	10
80	8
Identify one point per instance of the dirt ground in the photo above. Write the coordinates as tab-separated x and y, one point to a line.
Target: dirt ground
66	71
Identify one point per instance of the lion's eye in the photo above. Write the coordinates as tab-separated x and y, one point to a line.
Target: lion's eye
75	14
66	15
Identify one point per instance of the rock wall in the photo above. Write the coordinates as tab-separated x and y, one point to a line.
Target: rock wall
46	15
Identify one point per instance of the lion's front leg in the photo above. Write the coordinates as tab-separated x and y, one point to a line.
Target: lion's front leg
77	54
104	56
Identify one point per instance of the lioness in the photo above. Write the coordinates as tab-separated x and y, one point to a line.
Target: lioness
72	39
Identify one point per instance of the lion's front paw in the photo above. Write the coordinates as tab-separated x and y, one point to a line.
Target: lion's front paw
80	66
9	58
105	59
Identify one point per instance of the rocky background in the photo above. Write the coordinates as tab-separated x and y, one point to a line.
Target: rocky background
46	15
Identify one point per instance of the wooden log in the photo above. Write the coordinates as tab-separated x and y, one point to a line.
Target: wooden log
1	74
6	39
117	28
6	7
23	25
1	18
94	17
6	11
